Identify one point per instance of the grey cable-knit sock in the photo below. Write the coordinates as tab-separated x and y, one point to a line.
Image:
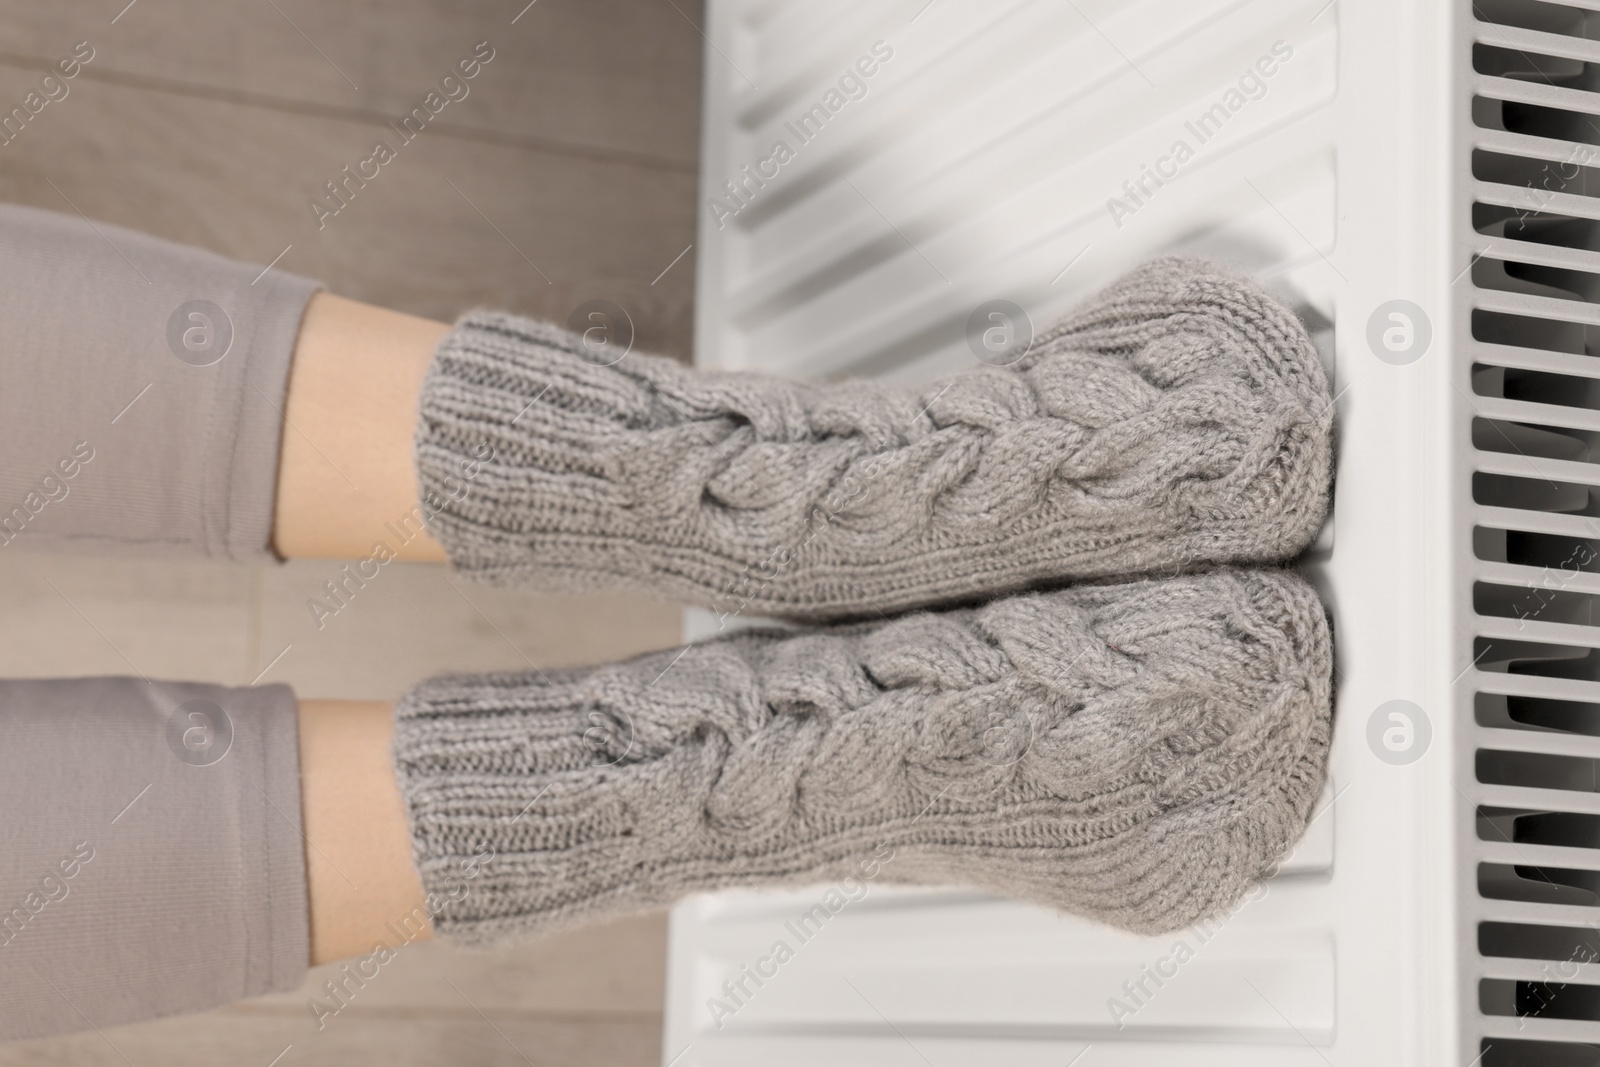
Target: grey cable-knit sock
1180	417
1138	753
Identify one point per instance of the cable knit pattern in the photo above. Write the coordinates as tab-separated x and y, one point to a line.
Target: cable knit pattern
1181	417
1135	753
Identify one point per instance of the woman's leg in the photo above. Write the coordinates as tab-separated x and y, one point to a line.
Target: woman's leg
345	478
1140	754
169	400
153	858
144	384
361	885
170	847
1179	418
530	802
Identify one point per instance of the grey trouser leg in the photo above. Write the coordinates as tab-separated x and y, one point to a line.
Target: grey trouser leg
144	384
151	860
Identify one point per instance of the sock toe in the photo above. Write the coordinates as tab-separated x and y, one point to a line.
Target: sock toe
1244	438
1233	812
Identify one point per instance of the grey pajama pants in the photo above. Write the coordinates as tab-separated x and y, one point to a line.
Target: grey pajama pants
151	859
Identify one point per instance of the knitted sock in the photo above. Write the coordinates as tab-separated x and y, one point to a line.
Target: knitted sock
1181	417
1140	754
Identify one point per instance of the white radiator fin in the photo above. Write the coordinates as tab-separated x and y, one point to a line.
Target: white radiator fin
979	166
1533	783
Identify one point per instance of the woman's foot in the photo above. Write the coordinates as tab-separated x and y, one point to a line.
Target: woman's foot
1140	754
1180	417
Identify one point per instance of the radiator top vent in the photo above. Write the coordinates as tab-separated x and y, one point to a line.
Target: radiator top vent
1532	892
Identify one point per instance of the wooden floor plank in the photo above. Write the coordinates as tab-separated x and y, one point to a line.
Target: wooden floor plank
600	76
609	969
64	616
246	1041
445	226
413	620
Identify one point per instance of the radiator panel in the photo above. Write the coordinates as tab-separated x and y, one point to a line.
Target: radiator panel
986	161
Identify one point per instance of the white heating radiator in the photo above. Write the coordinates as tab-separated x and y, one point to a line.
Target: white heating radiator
1412	175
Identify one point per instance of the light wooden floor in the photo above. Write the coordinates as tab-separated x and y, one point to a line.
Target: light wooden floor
567	173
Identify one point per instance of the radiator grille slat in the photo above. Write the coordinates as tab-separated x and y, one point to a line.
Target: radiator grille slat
1538	799
1538	42
1522	911
1494	407
1535	741
1519	466
1525	198
1544	307
1573	689
1533	1027
1579	859
1542	522
1516	574
1545	255
1536	92
1500	355
1539	970
1531	146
